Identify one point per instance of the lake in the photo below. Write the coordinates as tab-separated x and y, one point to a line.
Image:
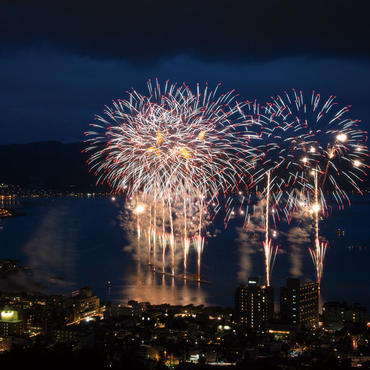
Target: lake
73	242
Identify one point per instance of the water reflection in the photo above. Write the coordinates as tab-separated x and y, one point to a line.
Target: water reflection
51	250
74	241
143	284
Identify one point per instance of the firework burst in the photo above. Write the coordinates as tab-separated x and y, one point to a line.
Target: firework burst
168	142
174	147
312	149
301	137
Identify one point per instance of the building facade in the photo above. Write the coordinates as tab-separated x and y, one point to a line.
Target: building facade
356	314
299	303
333	315
336	314
254	305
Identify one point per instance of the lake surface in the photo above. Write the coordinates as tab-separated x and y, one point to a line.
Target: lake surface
73	242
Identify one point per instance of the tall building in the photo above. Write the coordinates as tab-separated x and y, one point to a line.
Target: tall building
299	303
11	323
254	305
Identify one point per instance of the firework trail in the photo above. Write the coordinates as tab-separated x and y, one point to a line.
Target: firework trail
255	123
318	254
163	231
257	236
269	251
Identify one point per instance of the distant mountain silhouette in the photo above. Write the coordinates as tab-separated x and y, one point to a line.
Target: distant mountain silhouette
50	165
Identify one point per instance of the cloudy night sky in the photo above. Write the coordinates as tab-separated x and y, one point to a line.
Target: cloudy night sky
62	61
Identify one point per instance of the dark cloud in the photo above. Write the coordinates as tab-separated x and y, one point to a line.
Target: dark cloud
61	61
54	96
146	31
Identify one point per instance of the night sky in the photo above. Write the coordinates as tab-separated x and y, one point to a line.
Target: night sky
62	61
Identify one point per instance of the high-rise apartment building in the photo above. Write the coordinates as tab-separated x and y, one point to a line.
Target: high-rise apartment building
299	303
254	305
